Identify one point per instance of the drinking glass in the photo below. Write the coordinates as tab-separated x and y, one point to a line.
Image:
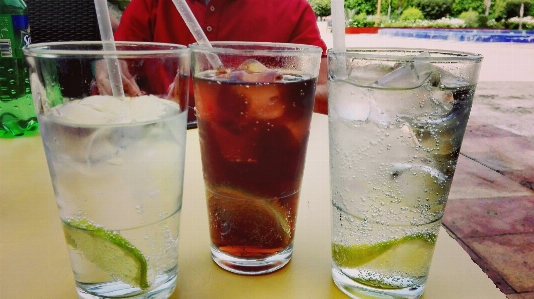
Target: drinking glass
116	161
254	103
396	122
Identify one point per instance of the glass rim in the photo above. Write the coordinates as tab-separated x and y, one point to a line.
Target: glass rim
371	53
262	48
68	48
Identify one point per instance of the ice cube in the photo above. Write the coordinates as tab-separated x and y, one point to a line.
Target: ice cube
91	110
237	145
147	108
409	135
265	77
379	115
443	99
218	74
98	110
237	76
83	145
450	81
421	188
252	66
407	75
438	130
263	101
444	79
147	178
367	75
252	70
78	122
299	128
348	102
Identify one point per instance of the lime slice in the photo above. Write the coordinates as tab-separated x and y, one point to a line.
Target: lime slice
109	251
357	255
246	225
259	208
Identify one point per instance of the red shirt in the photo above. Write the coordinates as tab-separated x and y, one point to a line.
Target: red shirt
286	21
283	21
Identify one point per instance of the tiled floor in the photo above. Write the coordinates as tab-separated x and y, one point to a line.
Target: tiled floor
490	211
491	205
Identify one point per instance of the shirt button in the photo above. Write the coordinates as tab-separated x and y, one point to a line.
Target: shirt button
212	8
209	28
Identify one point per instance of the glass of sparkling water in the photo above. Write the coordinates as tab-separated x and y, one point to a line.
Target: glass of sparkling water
116	161
396	122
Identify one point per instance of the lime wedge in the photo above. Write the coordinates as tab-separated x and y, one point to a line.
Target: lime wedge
109	251
257	208
360	254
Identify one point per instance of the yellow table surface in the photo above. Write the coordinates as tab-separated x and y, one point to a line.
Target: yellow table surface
34	261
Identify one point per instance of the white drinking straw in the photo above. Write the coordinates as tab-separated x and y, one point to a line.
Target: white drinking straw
338	25
196	30
338	34
106	35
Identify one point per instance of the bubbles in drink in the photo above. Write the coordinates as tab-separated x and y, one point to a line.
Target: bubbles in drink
253	125
107	154
349	105
115	143
392	177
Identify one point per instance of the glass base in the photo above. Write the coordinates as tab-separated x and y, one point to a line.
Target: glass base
251	266
360	291
121	290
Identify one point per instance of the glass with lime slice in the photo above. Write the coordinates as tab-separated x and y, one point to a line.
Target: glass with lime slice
109	251
396	125
116	162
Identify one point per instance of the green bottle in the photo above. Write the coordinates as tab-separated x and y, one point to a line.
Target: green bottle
17	114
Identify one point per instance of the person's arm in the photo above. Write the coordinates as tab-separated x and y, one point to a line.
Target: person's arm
321	91
305	31
114	22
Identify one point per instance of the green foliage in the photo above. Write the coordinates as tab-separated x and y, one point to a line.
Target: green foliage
512	8
436	13
460	6
496	24
362	6
470	17
498	9
362	20
384	7
320	7
434	9
403	4
396	7
349	14
483	21
412	13
441	23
